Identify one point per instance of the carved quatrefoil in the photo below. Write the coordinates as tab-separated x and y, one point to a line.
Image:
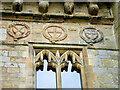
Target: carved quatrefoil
18	30
54	33
91	35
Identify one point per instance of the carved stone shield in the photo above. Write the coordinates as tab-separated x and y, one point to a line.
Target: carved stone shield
91	35
18	30
54	33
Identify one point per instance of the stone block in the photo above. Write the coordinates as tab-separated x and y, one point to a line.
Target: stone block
3	31
18	59
102	52
22	85
23	72
98	63
13	53
104	56
13	70
110	63
4	59
12	59
91	62
23	79
91	56
99	70
24	54
15	65
94	52
114	57
21	65
4	53
21	48
1	64
3	36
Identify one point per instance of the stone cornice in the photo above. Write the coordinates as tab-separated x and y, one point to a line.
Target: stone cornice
38	17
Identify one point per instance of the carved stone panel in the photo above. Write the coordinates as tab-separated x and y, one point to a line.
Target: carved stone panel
54	33
18	30
91	35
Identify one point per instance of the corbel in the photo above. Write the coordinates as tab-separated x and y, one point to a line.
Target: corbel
93	8
18	5
69	6
43	6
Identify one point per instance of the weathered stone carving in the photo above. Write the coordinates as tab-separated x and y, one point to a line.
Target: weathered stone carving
18	30
91	35
54	33
18	5
93	8
68	7
43	6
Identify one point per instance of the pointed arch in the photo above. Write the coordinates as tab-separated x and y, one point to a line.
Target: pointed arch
74	57
50	55
52	61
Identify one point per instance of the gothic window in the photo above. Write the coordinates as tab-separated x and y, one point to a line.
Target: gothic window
65	64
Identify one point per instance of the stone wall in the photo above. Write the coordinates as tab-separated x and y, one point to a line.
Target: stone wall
15	67
104	64
16	53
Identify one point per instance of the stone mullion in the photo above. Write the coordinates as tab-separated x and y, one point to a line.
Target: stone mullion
58	70
58	76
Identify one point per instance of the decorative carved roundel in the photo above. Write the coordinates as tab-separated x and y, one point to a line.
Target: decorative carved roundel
91	35
18	30
54	33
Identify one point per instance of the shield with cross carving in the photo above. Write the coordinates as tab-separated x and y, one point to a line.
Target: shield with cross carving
91	35
54	33
18	30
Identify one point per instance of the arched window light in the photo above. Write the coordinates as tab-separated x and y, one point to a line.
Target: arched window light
45	78
71	79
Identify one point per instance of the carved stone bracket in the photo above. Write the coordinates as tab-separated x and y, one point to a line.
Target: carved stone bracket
18	30
54	33
18	5
93	8
91	35
43	6
68	7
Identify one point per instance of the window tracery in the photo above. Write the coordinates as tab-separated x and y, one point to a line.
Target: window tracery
58	61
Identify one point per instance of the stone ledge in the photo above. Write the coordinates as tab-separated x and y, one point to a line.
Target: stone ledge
44	45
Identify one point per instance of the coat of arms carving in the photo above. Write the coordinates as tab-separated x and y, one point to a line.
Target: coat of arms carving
18	30
91	35
54	33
